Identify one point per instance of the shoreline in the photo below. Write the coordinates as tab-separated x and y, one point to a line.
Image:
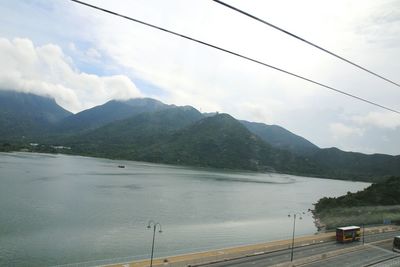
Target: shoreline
321	227
367	215
214	169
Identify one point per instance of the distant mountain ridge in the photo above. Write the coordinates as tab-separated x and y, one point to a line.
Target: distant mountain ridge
109	112
281	138
27	115
222	141
126	138
341	164
145	129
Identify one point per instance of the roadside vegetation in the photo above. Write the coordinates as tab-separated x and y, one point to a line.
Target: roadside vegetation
377	204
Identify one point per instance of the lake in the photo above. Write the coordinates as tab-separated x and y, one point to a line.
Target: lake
58	209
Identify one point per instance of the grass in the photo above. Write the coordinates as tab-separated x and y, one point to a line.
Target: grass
367	215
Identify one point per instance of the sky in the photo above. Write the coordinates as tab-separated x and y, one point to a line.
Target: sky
83	58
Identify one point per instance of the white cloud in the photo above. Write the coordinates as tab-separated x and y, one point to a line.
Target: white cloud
200	76
90	56
177	65
341	131
46	70
379	119
93	53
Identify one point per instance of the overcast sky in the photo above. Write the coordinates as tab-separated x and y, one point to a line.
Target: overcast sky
83	57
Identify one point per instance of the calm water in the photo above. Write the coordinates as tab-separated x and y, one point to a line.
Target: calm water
57	209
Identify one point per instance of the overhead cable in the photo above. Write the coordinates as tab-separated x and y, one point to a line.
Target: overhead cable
235	54
305	41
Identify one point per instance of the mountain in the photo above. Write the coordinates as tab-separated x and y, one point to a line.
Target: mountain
332	162
24	115
182	135
342	165
125	137
109	112
223	142
148	130
281	138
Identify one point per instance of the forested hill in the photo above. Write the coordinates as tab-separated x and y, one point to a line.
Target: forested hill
107	113
149	130
222	141
27	115
378	194
281	138
341	164
374	204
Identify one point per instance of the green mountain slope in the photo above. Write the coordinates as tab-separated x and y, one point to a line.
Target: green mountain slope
27	116
343	165
223	142
109	112
281	138
126	138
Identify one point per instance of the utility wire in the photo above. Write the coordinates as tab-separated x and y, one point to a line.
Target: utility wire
305	41
235	54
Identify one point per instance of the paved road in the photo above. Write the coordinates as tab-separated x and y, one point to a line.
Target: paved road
372	253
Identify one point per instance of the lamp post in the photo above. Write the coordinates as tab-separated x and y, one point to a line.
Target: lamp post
294	229
363	226
154	225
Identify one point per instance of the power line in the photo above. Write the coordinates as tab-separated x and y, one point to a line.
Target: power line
235	54
305	41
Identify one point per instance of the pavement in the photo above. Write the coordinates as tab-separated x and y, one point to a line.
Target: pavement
308	250
319	254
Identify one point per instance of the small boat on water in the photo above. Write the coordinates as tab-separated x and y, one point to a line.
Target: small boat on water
121	166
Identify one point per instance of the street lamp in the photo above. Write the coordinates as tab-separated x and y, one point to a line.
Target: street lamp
154	225
363	226
294	229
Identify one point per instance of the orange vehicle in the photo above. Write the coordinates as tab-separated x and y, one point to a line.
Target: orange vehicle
348	234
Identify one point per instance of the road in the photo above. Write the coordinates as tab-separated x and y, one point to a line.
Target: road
375	254
377	247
